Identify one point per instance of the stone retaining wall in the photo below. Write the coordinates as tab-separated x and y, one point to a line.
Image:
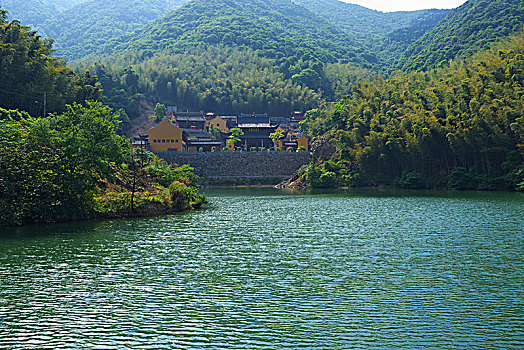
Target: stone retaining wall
236	165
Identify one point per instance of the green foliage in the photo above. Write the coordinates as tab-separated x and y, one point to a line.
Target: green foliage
387	34
120	90
277	29
319	177
471	27
13	114
28	72
223	80
308	77
460	125
166	174
276	137
213	130
411	180
235	135
160	112
50	167
73	165
461	179
80	27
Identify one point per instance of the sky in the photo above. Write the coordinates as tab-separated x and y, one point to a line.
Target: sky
407	5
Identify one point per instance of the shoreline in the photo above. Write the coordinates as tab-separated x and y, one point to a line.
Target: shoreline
108	216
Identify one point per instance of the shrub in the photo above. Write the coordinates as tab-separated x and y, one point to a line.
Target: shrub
411	180
180	195
328	179
461	179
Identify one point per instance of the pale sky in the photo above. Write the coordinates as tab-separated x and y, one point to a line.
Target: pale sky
407	5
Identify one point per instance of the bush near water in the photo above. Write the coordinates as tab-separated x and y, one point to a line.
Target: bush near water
73	166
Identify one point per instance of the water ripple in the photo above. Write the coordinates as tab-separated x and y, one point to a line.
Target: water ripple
267	270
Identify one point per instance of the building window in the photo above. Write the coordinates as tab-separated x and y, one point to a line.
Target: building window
163	141
172	141
154	141
176	140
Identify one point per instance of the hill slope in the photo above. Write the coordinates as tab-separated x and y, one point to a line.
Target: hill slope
80	27
467	29
366	25
276	29
459	127
385	33
35	12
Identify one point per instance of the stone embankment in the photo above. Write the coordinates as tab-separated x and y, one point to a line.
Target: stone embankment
238	165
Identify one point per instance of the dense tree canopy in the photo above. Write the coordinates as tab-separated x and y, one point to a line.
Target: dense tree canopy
50	166
277	29
222	80
388	34
73	165
469	28
80	27
461	124
29	74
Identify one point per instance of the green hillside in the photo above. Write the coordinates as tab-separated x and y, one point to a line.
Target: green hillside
469	28
387	34
276	29
35	12
80	27
457	127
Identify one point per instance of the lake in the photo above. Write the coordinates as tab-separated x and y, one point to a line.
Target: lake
269	269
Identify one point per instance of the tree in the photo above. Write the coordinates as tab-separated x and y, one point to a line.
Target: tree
235	135
309	78
160	112
276	137
50	167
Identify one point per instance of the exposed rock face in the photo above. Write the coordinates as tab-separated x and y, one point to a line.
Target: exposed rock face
295	181
322	148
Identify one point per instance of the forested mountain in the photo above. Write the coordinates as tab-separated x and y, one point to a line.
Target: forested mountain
219	79
469	28
460	127
80	27
35	12
388	34
277	29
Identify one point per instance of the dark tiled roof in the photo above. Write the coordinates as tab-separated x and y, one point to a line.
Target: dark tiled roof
203	143
253	120
260	134
198	134
188	114
190	118
268	126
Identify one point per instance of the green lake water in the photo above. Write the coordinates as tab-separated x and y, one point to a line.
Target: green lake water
267	269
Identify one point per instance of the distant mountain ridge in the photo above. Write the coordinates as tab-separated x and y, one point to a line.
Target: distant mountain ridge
79	27
472	27
387	34
288	31
275	28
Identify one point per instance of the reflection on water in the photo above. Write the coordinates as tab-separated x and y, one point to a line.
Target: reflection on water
266	269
